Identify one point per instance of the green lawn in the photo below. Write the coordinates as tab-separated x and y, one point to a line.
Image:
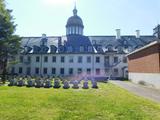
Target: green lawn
109	102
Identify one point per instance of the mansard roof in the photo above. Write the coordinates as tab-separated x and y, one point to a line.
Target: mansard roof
97	44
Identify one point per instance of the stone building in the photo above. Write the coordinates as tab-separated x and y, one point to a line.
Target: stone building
76	54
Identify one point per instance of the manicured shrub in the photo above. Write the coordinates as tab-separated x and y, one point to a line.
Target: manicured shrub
57	83
75	84
47	84
66	85
39	83
30	83
20	82
12	82
85	85
94	84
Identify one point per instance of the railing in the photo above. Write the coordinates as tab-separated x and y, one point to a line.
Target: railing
108	65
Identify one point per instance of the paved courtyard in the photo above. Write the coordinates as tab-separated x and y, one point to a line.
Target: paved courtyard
139	90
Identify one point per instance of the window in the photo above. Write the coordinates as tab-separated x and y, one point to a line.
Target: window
88	71
81	48
44	70
110	48
54	59
124	60
115	59
107	70
21	59
46	59
62	59
120	49
97	59
70	49
80	59
88	59
115	71
79	70
98	71
28	70
29	59
94	42
107	61
89	48
37	59
13	70
70	71
53	70
20	70
71	59
62	71
36	70
99	48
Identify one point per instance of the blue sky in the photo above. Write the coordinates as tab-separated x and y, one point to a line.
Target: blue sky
100	17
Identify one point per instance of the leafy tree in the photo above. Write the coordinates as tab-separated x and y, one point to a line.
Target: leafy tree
9	42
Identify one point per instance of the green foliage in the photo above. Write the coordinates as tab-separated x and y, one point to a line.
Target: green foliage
109	102
9	42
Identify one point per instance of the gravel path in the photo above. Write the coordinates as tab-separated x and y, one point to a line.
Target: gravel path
139	90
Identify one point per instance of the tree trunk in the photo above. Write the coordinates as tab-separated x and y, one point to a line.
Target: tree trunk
4	72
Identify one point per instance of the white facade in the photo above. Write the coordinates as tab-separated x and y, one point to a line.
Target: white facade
150	79
81	64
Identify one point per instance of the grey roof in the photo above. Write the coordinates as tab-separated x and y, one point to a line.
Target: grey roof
72	44
74	20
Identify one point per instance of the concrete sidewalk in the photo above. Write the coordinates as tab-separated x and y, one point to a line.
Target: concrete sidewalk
139	90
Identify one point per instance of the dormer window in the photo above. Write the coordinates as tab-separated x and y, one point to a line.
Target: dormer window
43	40
61	48
120	49
81	48
53	49
125	42
99	48
94	42
110	48
89	48
70	49
130	49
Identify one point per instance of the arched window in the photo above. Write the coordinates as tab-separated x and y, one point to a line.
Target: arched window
110	48
76	29
70	30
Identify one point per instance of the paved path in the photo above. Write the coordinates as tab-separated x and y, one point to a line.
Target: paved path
139	90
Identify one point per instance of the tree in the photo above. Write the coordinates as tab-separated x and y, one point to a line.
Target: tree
9	42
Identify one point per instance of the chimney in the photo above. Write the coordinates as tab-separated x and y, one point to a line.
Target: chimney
137	33
118	35
59	41
44	36
43	40
156	31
